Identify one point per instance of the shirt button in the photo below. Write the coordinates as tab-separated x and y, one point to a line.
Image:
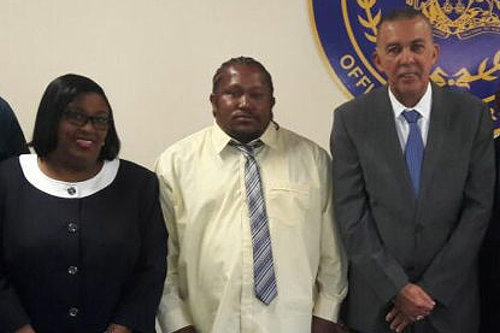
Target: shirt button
72	227
71	190
72	270
73	312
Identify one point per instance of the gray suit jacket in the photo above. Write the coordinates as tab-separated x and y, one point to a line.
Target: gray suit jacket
393	238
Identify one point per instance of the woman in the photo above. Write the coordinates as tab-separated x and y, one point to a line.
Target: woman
82	238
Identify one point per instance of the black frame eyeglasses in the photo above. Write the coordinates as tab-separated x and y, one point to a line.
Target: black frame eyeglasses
81	119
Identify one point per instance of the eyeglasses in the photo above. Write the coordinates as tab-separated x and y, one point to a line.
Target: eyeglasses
81	119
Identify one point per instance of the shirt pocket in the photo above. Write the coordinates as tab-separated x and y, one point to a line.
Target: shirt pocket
288	203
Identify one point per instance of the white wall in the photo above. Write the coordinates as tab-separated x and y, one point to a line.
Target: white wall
155	60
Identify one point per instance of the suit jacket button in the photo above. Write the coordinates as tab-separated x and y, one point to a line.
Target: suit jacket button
72	270
73	312
72	227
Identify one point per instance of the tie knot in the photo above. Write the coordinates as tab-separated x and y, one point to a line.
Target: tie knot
246	149
411	116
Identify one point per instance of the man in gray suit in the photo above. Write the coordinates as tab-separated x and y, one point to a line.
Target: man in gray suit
413	189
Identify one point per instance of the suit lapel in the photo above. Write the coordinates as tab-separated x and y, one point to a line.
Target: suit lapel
388	136
435	140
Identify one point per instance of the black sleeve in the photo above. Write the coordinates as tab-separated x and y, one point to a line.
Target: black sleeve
139	302
12	314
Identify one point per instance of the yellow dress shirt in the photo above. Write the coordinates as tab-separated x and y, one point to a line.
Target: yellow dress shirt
209	280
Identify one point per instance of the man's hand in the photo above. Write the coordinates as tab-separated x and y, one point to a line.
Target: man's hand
399	321
187	329
413	302
116	328
319	325
25	329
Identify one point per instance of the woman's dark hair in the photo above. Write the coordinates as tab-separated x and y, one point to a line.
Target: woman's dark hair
55	99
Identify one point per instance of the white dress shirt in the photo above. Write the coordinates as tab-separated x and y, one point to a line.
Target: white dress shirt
423	107
210	263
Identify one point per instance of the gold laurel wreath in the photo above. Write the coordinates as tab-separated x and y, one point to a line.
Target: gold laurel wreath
494	117
462	78
370	22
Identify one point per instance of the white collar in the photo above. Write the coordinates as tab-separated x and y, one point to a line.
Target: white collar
423	106
61	189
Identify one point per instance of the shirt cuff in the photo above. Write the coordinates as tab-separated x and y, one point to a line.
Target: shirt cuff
327	308
174	319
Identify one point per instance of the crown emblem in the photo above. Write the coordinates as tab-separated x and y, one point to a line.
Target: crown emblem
461	18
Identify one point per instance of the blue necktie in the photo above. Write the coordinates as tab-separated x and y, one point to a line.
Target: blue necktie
414	150
263	268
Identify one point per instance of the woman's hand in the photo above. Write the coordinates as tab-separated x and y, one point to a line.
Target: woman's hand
115	328
25	329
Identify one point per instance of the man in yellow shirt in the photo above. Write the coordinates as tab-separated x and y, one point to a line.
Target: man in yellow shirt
248	205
